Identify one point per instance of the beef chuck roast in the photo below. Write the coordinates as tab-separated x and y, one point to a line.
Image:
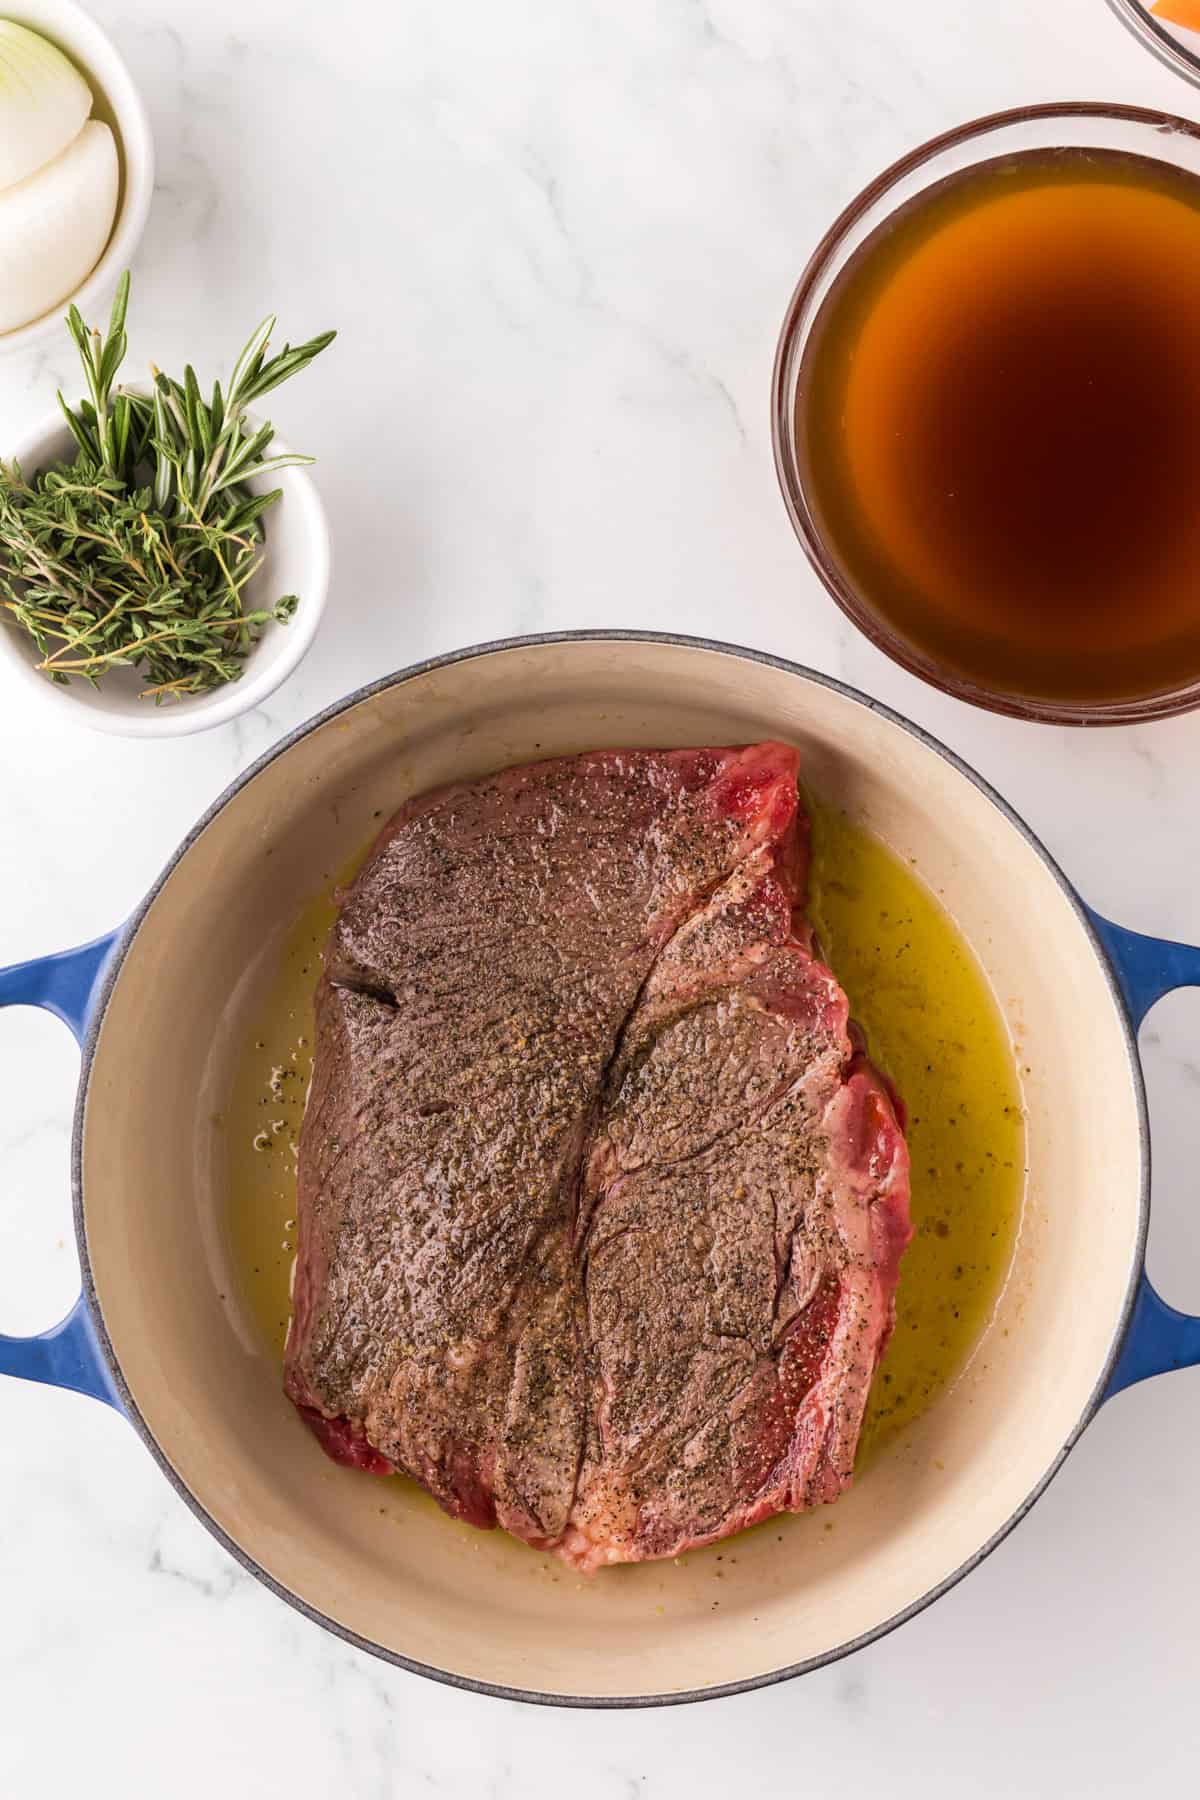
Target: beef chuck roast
600	1209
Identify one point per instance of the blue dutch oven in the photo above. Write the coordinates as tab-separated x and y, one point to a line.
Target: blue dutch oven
162	1007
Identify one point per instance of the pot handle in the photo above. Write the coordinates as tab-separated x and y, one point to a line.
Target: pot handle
1158	1338
67	1355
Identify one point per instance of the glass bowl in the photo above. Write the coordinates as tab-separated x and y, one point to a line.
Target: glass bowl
1179	49
1086	124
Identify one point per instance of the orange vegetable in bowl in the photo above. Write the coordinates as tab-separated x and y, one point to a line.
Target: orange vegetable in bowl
1178	12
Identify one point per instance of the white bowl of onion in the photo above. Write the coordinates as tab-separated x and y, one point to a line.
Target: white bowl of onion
76	167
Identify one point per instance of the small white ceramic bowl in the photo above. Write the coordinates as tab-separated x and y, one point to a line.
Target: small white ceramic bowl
296	561
118	103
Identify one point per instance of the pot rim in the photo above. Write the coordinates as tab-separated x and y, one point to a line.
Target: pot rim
448	1677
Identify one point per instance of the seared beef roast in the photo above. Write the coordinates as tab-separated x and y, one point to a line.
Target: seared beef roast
601	1211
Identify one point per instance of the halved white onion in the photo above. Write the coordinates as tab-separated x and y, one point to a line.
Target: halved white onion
44	101
54	226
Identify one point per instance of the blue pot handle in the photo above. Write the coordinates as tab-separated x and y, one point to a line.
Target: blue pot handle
1159	1338
67	1355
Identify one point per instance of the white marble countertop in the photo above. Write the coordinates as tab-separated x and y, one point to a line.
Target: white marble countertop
557	241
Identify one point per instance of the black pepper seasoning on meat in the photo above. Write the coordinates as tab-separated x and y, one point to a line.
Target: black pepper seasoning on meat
570	1252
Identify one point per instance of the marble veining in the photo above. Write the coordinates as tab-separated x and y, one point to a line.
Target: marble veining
557	242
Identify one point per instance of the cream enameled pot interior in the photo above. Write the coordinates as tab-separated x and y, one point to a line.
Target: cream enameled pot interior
405	1578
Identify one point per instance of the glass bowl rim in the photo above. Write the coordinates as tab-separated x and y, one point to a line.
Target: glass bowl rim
1051	712
1138	19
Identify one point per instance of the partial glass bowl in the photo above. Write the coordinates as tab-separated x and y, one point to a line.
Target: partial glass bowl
1172	44
1060	124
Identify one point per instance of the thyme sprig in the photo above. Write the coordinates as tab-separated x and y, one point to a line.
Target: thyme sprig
139	551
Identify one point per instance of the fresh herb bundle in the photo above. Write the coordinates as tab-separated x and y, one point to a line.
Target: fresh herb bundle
139	551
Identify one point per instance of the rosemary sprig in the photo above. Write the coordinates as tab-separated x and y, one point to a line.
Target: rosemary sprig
139	551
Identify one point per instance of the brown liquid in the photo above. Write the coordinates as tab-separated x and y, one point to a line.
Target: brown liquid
998	421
